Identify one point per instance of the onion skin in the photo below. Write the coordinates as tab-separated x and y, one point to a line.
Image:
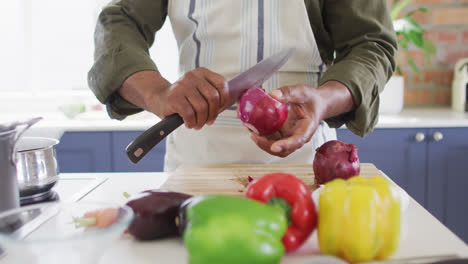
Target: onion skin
335	159
260	112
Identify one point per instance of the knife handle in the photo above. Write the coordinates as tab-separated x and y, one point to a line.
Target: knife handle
139	147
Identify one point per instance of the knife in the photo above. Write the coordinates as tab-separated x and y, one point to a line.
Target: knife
254	76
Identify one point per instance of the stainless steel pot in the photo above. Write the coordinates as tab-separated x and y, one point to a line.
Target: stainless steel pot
36	166
9	135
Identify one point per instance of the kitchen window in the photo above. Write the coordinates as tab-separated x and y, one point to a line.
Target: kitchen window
47	50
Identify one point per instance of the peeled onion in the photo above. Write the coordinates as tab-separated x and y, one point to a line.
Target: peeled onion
335	159
260	112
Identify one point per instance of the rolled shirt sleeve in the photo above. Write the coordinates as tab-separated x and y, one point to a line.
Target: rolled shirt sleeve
124	32
365	48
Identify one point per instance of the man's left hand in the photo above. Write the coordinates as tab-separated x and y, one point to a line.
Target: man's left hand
308	107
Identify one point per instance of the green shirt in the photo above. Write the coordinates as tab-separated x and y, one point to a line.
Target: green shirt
355	39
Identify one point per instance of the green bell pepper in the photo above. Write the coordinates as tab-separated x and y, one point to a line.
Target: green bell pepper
224	229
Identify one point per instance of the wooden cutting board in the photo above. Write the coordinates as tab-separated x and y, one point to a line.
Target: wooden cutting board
232	179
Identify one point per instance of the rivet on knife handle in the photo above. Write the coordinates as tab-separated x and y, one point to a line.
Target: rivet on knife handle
144	143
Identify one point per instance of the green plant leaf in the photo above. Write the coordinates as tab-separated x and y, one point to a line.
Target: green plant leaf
414	67
422	9
409	32
403	43
394	3
407	27
429	50
399	6
398	71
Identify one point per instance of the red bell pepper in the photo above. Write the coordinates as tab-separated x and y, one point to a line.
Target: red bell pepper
292	195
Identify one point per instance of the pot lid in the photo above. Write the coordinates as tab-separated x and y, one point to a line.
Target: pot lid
8	124
35	143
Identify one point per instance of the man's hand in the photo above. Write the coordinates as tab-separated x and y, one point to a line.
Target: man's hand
308	107
197	97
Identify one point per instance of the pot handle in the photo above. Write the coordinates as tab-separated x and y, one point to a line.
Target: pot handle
27	124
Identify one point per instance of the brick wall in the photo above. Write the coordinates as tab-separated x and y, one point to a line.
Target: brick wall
447	26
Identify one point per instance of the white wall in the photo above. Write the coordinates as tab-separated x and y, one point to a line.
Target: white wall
47	49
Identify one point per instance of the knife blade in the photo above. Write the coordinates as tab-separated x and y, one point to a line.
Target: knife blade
254	76
257	74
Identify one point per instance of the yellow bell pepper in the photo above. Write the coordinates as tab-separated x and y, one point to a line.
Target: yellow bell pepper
359	218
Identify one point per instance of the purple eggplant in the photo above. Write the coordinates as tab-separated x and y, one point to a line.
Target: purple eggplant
156	214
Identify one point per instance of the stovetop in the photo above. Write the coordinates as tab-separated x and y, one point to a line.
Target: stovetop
68	189
72	189
49	196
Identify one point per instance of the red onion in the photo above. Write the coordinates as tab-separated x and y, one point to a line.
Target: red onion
260	112
335	159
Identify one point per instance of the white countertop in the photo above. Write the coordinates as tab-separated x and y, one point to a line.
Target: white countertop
55	124
425	235
424	117
408	118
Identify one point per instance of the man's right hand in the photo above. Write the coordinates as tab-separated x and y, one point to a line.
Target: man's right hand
198	96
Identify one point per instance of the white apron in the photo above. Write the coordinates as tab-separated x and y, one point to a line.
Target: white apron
228	37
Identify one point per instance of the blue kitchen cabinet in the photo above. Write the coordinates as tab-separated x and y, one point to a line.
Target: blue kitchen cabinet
85	152
397	153
105	152
152	162
447	178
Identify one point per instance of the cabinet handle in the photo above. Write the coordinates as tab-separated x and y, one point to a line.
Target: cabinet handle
438	136
419	137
